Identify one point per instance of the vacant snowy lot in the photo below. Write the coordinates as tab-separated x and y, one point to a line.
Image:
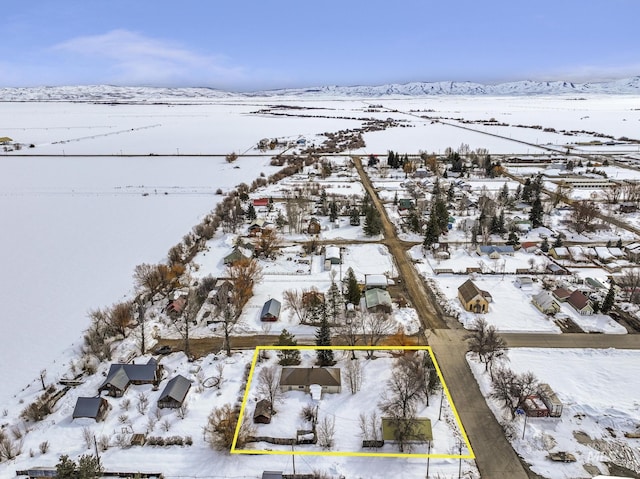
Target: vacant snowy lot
597	411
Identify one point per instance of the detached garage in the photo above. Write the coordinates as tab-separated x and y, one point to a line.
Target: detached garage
174	393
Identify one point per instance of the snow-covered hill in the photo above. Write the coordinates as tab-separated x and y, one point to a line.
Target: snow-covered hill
117	94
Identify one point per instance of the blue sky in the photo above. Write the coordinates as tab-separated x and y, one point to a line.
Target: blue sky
244	45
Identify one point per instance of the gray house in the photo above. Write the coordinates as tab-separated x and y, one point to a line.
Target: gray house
174	392
92	408
121	375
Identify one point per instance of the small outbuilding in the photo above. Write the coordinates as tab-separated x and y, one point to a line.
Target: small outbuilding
92	408
174	393
262	412
421	433
270	310
372	281
332	254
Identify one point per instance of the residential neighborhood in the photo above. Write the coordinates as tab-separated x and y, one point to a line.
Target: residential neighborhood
343	306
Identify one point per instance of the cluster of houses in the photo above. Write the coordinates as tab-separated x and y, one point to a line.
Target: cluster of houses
120	377
476	300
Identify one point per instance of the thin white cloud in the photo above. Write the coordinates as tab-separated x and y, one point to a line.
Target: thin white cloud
132	58
592	73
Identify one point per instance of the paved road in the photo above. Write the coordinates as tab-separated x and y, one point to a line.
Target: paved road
495	457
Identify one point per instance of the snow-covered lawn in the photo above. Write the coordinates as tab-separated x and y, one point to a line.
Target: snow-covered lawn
598	409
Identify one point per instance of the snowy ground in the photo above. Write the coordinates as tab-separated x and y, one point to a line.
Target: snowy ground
77	226
596	409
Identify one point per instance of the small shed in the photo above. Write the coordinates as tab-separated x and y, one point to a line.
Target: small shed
92	408
535	407
332	254
524	282
174	393
262	412
270	310
314	226
422	432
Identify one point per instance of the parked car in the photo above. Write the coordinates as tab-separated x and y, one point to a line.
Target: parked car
163	350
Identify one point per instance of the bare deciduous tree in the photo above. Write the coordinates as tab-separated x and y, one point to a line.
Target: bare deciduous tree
269	385
326	430
293	301
375	326
221	426
512	389
583	214
353	375
486	343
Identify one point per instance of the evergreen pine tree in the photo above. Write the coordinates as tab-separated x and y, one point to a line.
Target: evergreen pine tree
619	243
288	357
535	215
395	199
372	222
323	338
413	222
353	293
544	247
432	232
251	212
333	211
66	468
513	240
354	217
335	302
609	299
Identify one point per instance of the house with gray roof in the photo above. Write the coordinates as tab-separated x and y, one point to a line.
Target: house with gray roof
545	302
270	310
120	376
300	379
174	393
92	408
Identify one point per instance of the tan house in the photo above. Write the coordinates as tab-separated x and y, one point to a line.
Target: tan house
300	379
473	299
580	303
545	303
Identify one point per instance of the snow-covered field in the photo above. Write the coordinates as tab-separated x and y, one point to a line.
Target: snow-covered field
597	409
75	227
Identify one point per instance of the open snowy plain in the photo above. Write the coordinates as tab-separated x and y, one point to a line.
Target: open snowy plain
74	227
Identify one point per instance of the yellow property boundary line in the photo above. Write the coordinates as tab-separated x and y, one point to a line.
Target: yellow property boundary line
256	354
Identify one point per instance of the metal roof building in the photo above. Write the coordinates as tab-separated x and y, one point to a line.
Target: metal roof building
174	392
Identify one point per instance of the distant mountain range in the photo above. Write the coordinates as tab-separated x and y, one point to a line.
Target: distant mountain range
118	94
